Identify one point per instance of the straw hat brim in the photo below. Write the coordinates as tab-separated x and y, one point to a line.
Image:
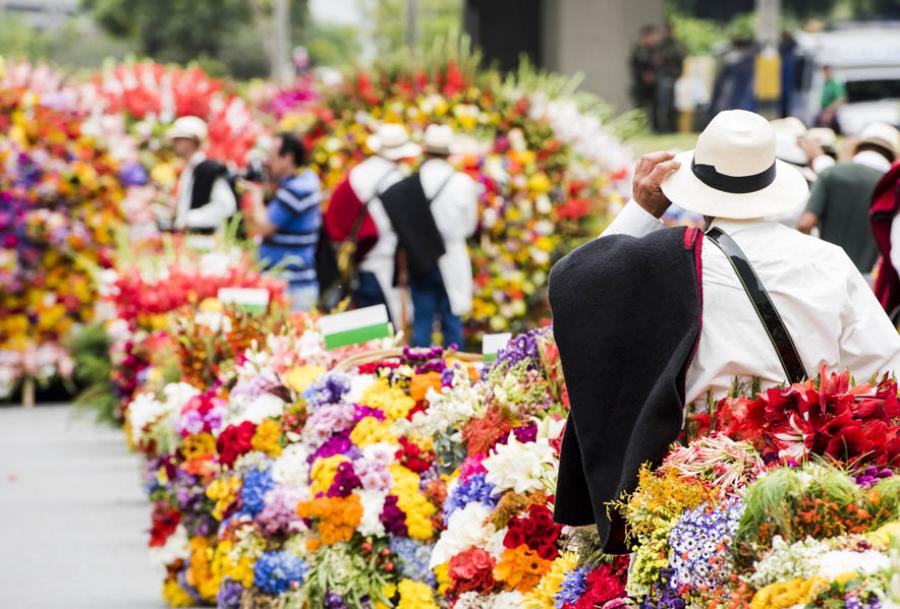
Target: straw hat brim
394	153
785	194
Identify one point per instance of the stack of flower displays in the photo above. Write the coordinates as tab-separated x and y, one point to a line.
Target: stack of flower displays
549	168
59	206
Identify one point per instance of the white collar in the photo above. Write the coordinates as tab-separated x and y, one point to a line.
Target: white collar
733	226
872	159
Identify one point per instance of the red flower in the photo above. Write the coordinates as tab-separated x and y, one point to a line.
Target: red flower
535	529
234	441
472	571
165	521
604	584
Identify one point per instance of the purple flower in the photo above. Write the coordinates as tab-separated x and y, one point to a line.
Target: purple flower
327	390
393	518
338	444
333	600
229	595
699	542
361	412
522	348
345	480
414	558
133	174
475	488
526	433
573	587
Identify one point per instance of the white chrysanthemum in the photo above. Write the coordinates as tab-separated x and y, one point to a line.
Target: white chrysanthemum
358	384
143	410
176	548
466	528
507	600
291	467
257	410
372	504
521	467
838	562
178	394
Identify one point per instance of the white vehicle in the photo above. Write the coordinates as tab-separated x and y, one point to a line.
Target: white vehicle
866	58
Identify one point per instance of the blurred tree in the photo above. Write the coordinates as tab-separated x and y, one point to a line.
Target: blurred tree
722	12
331	44
876	9
236	33
437	19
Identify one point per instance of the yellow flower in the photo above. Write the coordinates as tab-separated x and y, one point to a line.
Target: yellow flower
442	573
298	379
223	492
267	438
391	400
198	446
415	595
542	597
176	596
884	534
417	508
782	595
323	472
370	430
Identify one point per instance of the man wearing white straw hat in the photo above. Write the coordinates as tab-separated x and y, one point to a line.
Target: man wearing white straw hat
355	213
648	320
840	199
204	198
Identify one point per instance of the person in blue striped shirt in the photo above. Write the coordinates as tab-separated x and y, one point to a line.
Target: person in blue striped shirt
289	223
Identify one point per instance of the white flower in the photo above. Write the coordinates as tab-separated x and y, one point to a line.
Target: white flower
176	548
837	562
466	528
260	409
178	394
291	468
495	545
214	320
507	600
550	428
143	410
358	384
372	504
521	467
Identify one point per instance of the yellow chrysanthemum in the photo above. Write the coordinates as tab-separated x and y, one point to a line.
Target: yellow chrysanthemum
417	508
782	595
198	446
298	379
370	430
392	401
542	596
415	595
267	438
323	472
223	491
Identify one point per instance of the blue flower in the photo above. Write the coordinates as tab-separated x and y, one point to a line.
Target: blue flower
230	595
573	587
257	483
413	561
327	390
473	489
277	572
699	544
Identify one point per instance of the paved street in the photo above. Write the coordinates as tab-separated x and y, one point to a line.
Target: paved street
73	516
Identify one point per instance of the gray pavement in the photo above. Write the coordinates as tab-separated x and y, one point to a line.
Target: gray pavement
73	516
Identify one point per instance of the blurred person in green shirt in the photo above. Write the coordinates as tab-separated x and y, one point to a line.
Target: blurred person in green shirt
834	95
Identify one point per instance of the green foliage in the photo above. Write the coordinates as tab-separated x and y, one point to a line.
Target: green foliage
93	369
77	44
333	45
436	20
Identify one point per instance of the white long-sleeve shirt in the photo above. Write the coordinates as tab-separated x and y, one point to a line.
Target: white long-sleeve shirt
455	211
222	203
829	310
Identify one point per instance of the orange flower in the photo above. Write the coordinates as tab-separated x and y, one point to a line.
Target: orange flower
336	518
521	569
421	383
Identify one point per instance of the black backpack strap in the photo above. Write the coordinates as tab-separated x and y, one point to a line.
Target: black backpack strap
440	188
762	304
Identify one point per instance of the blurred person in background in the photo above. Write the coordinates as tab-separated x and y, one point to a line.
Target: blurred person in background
355	213
644	66
433	212
834	95
733	89
671	55
841	196
204	197
289	223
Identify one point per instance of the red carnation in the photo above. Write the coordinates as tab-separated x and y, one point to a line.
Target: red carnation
603	584
472	571
234	441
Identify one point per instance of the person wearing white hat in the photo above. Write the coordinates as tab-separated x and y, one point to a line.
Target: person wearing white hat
649	320
204	198
355	213
433	212
840	199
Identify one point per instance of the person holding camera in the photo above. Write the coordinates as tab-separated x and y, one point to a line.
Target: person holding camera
204	197
289	223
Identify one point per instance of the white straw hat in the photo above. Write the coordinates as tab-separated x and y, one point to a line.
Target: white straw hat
392	142
787	131
438	139
881	134
188	127
733	172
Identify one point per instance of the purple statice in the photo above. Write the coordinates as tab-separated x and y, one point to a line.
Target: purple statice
522	348
333	600
251	388
393	518
277	572
345	480
475	488
361	412
257	482
327	420
573	587
279	516
229	596
663	595
699	543
414	557
872	475
338	444
327	390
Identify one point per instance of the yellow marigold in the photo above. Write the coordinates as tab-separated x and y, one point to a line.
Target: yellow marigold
415	595
336	518
323	471
391	400
417	508
442	573
267	438
198	446
200	573
370	430
223	491
176	596
542	597
298	379
782	595
224	564
520	569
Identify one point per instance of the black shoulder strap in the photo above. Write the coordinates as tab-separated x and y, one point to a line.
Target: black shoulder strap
762	304
440	188
358	220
